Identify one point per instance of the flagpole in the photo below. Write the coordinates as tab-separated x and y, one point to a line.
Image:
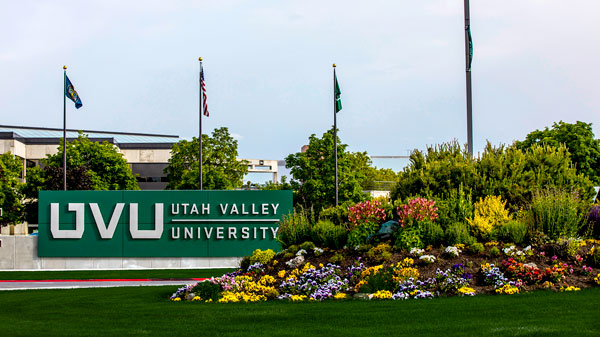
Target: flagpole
200	121
335	136
64	129
468	79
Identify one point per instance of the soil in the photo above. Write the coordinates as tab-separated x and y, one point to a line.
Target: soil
541	258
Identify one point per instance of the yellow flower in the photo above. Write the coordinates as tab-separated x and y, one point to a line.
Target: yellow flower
275	262
176	299
466	291
281	274
196	298
340	296
383	295
320	265
209	300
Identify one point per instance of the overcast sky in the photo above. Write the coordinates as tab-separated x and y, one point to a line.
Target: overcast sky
268	69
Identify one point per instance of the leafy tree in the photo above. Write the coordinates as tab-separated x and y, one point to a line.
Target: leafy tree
220	168
10	195
313	173
101	163
579	140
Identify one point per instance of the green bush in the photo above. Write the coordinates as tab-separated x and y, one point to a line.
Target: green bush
514	231
326	234
295	228
456	207
337	214
494	251
245	263
359	234
408	238
595	257
207	290
307	246
337	258
458	233
381	280
380	253
505	170
476	248
557	213
431	233
262	256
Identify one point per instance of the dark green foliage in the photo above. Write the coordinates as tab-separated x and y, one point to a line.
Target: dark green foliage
557	213
295	228
458	233
313	173
307	246
431	233
10	189
595	257
337	214
494	251
514	231
579	140
245	263
220	168
326	234
457	206
407	238
505	171
207	290
476	248
358	236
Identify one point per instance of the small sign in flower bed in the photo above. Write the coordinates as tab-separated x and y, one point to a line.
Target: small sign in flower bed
378	272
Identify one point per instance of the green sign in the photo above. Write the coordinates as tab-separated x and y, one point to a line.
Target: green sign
159	223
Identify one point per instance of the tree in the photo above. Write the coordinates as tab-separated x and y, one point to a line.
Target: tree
579	140
10	195
220	168
313	173
100	162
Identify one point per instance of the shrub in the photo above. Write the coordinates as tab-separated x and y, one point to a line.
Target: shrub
359	234
594	221
594	257
556	213
336	258
295	228
490	213
419	209
337	214
262	256
476	248
245	263
514	231
326	234
431	233
458	233
207	290
380	253
366	211
307	245
494	251
456	207
408	238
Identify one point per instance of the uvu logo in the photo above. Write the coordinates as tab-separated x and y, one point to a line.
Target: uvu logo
106	232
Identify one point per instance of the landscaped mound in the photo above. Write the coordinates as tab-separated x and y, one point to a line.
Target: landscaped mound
375	272
420	248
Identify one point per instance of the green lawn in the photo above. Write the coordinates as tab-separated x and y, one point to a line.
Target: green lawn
112	274
146	311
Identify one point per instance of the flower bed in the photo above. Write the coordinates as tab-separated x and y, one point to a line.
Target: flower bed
445	272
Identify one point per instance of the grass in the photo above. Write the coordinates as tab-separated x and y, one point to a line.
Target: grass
147	311
112	274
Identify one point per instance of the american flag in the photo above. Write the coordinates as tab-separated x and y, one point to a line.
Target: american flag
203	88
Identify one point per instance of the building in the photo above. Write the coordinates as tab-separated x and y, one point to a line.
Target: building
147	154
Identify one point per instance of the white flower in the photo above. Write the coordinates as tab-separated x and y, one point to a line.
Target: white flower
427	258
453	251
416	251
301	252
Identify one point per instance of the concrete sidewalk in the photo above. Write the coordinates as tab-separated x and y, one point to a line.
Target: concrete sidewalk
97	283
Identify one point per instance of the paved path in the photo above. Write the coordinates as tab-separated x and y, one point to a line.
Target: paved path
97	283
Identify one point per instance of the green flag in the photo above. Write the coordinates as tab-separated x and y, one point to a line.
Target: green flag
338	93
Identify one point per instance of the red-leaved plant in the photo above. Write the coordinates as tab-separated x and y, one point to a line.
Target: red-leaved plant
366	211
419	209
